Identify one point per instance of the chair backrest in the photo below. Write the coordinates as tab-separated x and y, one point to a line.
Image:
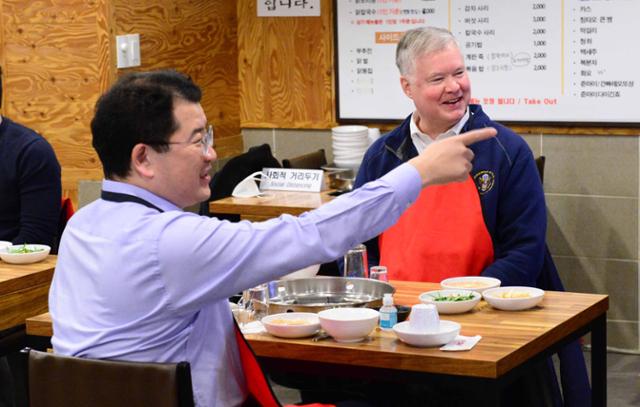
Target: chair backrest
311	161
54	380
235	170
540	164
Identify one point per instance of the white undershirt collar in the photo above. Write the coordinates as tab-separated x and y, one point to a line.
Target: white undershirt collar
421	140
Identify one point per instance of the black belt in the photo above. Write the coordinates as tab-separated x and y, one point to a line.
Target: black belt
119	197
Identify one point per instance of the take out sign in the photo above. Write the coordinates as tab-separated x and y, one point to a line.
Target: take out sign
291	179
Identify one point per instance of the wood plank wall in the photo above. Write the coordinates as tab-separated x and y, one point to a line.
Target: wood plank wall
199	38
56	60
285	69
59	56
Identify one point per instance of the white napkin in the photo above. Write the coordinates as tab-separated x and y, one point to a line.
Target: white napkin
247	188
461	343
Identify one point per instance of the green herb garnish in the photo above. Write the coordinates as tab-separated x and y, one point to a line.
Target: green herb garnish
24	249
453	297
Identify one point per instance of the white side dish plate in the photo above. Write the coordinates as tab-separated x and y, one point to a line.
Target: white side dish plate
515	298
447	331
24	254
292	324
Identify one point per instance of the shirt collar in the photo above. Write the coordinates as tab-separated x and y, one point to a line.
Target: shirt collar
422	140
126	188
455	130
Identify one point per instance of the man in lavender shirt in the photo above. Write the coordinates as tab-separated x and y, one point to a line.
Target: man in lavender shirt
138	279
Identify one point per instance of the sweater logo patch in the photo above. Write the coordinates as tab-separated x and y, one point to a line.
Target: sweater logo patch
484	181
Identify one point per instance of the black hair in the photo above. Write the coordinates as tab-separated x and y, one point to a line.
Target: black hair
138	109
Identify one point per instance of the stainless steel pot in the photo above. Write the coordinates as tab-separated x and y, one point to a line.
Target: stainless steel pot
319	293
340	178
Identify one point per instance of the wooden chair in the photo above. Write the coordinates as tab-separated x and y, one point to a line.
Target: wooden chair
311	161
55	380
540	164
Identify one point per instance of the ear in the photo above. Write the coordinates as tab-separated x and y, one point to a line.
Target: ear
406	87
142	159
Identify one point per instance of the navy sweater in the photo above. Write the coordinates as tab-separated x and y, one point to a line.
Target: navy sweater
30	187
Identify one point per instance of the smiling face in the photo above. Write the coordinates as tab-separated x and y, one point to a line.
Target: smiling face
181	175
439	87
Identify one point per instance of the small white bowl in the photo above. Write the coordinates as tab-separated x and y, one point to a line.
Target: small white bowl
40	252
499	297
447	331
4	244
475	283
348	324
451	307
292	324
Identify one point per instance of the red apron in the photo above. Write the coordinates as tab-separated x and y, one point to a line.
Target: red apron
260	392
441	235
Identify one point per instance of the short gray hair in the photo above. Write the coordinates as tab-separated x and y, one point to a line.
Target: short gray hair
419	41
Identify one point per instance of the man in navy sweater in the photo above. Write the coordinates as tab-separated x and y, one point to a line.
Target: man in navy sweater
30	187
30	196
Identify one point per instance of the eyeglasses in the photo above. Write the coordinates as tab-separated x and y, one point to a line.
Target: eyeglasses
206	141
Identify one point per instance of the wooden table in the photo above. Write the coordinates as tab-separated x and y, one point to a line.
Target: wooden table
271	204
24	290
511	343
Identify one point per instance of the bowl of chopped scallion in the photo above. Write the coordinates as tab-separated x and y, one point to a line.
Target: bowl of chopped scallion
24	253
451	301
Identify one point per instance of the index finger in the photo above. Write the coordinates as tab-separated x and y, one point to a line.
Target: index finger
474	136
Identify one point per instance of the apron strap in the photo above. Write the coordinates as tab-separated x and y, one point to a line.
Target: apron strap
120	197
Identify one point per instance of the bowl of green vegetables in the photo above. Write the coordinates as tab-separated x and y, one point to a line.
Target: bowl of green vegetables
24	253
451	301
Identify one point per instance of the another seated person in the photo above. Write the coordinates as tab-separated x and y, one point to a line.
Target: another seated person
139	279
30	187
492	224
30	194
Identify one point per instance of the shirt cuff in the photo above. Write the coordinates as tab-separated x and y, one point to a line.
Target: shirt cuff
406	181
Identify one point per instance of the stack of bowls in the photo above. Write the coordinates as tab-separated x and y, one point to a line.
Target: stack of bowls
349	145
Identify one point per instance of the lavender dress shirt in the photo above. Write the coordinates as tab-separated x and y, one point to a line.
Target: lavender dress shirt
137	284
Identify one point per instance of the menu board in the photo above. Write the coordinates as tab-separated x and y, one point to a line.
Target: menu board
528	60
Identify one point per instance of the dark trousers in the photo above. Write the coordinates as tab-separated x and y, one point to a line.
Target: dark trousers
12	369
534	389
7	396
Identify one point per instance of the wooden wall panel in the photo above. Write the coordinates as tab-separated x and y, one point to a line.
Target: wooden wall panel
285	69
199	38
53	76
59	57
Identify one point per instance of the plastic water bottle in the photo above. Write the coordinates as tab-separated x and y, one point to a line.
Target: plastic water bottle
388	313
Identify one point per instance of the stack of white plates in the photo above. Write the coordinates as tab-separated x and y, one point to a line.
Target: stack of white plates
349	145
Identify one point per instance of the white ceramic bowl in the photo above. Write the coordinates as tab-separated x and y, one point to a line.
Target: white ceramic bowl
350	129
451	306
306	272
348	324
292	324
475	283
39	253
514	298
4	244
447	331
